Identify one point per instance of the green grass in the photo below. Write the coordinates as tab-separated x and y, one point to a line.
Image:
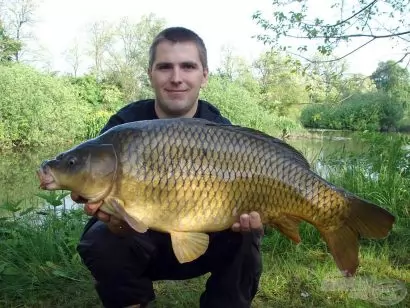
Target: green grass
39	266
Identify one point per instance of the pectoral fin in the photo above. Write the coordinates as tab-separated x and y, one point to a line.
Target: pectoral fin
188	246
134	222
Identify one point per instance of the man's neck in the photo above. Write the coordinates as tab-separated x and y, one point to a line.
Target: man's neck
163	115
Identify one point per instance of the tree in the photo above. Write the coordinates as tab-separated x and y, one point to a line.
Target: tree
281	82
101	37
388	76
236	69
228	66
325	79
356	84
341	22
8	46
394	80
127	64
73	56
18	15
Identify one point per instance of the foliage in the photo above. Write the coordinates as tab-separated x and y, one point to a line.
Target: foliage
37	109
362	111
120	53
393	79
298	21
8	46
17	17
277	74
329	83
241	106
95	122
38	254
98	94
388	76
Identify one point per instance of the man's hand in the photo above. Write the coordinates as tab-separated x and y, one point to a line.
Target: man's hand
248	222
116	225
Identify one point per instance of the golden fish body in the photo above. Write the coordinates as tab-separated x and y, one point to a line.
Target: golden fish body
200	178
190	176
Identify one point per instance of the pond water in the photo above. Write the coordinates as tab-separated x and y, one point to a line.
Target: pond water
18	180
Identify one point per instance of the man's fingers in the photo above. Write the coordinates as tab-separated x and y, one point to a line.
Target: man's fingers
76	198
103	216
118	226
236	227
92	208
248	222
255	220
244	221
90	211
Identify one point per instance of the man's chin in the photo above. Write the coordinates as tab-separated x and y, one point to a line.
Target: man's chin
177	108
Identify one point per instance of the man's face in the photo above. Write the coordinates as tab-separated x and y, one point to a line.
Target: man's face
177	76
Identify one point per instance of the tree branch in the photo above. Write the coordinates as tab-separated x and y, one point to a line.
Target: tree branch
351	35
337	59
353	16
390	31
345	20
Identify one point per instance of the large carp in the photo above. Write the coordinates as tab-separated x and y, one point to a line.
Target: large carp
188	177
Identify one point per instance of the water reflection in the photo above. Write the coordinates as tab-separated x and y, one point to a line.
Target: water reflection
18	178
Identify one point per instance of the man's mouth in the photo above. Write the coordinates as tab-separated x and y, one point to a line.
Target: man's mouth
176	91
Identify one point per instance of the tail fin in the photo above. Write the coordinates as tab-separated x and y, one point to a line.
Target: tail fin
366	220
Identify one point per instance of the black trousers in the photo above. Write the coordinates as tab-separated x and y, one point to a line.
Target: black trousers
124	267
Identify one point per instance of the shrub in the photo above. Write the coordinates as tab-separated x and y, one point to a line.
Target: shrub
241	106
38	109
362	111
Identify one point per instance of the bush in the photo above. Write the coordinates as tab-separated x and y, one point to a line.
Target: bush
98	94
38	109
362	111
241	106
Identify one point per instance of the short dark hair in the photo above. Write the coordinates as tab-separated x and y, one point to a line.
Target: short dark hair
175	35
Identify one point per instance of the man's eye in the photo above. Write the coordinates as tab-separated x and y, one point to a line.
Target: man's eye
188	66
163	67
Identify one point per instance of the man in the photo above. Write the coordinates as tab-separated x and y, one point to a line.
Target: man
123	262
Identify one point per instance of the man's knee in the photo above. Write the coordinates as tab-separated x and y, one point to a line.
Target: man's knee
106	254
118	264
234	283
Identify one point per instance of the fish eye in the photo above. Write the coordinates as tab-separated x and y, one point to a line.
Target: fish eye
71	161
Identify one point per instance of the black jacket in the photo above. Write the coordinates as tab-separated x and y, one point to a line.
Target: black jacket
144	110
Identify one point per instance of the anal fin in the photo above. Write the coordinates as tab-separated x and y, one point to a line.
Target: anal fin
289	226
119	209
189	246
343	244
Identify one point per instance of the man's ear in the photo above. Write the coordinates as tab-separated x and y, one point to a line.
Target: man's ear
149	73
205	78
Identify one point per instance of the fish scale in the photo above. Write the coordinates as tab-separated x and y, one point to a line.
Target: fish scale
189	177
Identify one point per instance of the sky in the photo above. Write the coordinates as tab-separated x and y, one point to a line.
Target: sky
218	22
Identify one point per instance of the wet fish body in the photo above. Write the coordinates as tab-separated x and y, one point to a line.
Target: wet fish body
188	177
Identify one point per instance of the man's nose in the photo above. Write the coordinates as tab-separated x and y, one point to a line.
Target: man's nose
176	75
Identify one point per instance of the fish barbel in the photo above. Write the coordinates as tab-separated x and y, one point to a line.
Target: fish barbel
188	177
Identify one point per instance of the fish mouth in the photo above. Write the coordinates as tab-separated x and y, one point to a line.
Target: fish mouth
47	179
